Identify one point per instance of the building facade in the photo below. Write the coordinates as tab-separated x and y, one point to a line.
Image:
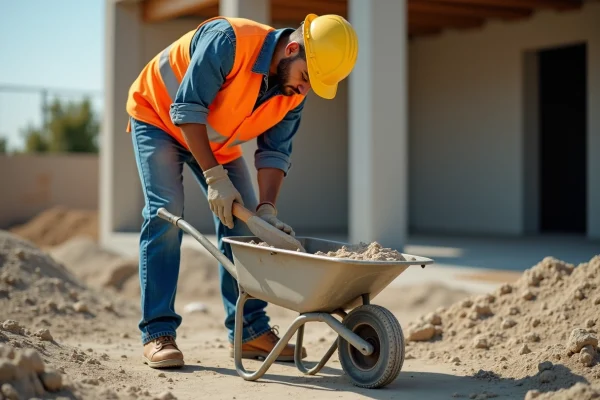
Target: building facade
459	118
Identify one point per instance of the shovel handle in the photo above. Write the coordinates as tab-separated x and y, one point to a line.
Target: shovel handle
241	212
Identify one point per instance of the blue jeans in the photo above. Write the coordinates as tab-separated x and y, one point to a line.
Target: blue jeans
160	160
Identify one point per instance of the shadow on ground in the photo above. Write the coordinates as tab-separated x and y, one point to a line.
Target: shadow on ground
417	385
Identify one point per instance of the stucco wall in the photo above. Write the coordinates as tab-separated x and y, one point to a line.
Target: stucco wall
32	183
468	117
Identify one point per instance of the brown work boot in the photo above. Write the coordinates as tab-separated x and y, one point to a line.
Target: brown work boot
163	352
262	346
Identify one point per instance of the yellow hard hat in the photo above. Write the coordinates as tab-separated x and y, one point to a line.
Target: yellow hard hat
331	50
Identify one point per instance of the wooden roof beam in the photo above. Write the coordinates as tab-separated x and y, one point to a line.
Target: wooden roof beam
463	10
305	7
162	10
421	32
420	20
527	4
287	15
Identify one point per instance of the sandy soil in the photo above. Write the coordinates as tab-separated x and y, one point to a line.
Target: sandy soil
77	307
58	224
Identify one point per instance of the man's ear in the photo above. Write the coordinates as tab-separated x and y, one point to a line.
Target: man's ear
291	49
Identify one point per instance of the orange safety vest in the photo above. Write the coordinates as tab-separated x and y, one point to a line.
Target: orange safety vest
231	119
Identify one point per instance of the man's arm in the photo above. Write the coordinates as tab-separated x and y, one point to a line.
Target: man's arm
197	139
212	56
269	184
213	50
272	158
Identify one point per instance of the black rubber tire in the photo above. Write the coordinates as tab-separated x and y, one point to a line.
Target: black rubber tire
379	327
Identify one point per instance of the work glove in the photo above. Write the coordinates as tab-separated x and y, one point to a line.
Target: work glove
268	212
221	194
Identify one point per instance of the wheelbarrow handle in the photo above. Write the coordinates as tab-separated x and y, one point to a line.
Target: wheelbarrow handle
186	227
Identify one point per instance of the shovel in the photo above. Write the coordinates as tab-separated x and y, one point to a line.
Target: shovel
265	231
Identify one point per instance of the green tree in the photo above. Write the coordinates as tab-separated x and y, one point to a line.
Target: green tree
3	145
72	128
35	140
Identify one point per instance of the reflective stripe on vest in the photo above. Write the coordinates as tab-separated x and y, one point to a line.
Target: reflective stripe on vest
167	74
170	81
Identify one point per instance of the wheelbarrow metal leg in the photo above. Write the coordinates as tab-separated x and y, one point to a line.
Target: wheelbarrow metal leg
359	343
237	353
298	355
362	345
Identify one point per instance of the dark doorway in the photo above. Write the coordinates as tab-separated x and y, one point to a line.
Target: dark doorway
563	128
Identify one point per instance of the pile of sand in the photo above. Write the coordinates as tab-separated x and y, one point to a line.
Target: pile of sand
23	374
365	251
362	251
578	391
540	331
101	268
198	277
34	366
56	225
35	289
43	305
93	264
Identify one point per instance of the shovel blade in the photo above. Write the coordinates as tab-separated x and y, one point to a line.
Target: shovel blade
272	235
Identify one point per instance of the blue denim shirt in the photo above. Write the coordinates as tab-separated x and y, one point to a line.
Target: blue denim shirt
212	56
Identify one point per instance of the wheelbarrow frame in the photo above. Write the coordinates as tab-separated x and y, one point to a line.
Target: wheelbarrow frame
297	326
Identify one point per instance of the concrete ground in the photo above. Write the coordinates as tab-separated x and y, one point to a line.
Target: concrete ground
476	264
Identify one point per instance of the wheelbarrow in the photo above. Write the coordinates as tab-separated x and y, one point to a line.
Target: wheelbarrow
370	344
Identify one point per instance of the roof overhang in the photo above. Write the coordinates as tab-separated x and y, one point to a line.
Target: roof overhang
425	17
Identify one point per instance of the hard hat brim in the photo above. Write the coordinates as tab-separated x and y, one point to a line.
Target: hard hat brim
321	89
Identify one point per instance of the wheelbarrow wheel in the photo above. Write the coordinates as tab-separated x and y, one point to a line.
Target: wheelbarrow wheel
381	329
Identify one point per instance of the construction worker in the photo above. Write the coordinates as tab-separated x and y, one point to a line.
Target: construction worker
226	82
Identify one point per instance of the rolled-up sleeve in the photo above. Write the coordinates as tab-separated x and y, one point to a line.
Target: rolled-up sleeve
213	53
274	147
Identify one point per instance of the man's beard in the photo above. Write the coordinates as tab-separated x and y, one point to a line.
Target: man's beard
283	75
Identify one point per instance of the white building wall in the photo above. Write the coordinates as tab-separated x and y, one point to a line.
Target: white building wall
44	181
314	195
467	122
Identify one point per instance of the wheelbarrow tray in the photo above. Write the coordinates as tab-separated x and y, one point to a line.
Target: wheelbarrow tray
306	282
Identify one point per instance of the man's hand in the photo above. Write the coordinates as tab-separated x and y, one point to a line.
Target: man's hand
268	212
221	194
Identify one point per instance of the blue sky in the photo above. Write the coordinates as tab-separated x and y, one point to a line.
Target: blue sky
48	43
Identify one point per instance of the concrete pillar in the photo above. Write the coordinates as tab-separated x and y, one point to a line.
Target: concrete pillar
120	195
593	172
378	142
260	11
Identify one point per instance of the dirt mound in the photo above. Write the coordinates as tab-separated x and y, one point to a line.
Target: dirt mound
198	277
57	225
423	297
93	264
33	365
42	307
23	374
36	289
365	251
578	391
362	251
541	330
